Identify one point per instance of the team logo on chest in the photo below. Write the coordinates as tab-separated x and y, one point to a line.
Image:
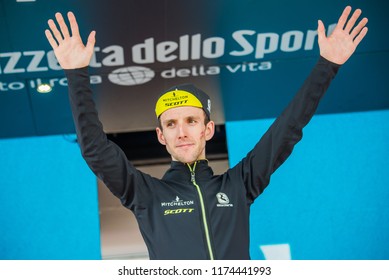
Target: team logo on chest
177	202
223	200
178	206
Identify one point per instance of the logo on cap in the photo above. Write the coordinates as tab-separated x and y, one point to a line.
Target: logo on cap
176	98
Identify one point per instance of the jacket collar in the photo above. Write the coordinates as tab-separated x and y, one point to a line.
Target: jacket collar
179	171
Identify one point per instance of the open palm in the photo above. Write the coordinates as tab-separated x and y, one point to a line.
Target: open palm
69	50
341	44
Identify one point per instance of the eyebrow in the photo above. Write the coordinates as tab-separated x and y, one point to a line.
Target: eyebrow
191	117
169	120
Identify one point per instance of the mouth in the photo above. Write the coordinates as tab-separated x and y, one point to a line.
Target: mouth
186	145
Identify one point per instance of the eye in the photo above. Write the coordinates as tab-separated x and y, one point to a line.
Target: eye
192	121
170	124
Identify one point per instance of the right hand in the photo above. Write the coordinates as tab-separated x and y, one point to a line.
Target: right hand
70	51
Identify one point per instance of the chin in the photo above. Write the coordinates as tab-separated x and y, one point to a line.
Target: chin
186	159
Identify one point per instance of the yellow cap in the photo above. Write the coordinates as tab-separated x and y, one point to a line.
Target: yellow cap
176	98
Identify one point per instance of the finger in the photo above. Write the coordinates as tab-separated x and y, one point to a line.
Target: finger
62	25
360	36
358	28
50	38
343	18
56	33
352	20
73	24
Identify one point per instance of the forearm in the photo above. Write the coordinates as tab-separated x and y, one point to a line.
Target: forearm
105	158
288	126
89	129
278	142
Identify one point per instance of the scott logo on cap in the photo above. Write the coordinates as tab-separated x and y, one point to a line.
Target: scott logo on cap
185	95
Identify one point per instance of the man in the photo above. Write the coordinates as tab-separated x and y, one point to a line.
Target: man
190	213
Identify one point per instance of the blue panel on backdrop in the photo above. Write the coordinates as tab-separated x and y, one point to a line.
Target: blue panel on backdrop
48	201
329	199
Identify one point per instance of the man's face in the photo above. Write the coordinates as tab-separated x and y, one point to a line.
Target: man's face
184	133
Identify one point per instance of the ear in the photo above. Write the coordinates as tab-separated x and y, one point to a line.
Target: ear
209	130
160	136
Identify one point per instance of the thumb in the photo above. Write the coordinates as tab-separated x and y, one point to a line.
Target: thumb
321	30
91	41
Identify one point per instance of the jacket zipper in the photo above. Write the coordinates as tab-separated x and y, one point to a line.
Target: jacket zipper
193	179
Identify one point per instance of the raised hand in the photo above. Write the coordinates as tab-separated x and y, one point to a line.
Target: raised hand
69	49
341	44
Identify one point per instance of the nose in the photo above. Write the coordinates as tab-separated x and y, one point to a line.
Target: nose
181	130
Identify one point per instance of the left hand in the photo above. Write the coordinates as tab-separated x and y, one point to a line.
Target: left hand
341	44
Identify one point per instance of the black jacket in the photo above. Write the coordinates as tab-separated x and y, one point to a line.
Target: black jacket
190	213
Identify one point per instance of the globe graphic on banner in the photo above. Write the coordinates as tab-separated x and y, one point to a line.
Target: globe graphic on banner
132	75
